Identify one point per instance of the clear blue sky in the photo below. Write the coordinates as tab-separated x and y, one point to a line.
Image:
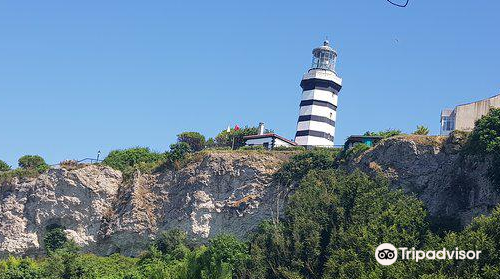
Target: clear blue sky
79	76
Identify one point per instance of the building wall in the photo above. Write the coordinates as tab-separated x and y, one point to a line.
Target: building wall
466	115
278	142
260	141
271	143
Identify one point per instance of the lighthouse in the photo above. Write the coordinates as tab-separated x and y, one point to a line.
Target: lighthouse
318	106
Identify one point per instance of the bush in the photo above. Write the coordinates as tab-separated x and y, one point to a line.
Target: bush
55	238
346	155
421	130
195	140
173	243
125	160
385	134
299	165
33	162
13	268
4	166
70	165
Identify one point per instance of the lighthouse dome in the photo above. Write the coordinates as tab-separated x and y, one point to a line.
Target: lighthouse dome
324	57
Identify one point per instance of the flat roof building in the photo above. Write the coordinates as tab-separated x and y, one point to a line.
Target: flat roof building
463	117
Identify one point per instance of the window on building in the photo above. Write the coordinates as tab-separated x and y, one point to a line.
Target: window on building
448	123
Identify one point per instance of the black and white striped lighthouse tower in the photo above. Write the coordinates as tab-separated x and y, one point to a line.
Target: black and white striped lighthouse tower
318	108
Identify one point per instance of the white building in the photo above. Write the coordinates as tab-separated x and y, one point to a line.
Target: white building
267	140
463	117
318	107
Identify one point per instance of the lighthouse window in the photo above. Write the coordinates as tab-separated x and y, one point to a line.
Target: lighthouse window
331	115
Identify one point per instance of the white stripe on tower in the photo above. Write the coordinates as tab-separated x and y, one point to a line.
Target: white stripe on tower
318	107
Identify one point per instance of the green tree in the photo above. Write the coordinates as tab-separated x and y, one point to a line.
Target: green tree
33	162
65	263
195	140
224	257
485	138
13	268
332	225
234	138
421	130
173	244
484	141
4	166
299	165
179	150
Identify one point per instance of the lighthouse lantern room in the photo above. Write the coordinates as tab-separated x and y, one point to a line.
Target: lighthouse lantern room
318	107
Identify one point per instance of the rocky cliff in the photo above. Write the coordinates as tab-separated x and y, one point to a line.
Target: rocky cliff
452	186
222	192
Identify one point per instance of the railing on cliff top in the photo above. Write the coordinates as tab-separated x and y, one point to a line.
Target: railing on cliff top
82	161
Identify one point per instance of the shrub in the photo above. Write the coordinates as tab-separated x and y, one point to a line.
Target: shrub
70	164
13	268
4	166
33	162
54	238
195	140
210	143
385	134
299	165
224	257
421	130
349	154
179	150
173	243
125	160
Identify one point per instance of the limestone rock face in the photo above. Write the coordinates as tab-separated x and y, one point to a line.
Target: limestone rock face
77	199
449	184
220	192
227	192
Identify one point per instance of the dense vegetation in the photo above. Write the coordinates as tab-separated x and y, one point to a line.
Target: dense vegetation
485	142
4	166
29	166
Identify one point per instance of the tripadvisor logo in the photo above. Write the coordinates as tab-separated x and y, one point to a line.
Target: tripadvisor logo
387	254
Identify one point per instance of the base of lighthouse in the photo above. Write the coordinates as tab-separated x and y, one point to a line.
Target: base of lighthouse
318	108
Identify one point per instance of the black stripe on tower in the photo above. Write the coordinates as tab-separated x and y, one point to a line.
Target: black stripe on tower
317	119
318	103
321	84
314	134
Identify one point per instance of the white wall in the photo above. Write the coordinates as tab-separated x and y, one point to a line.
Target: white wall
466	115
310	140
